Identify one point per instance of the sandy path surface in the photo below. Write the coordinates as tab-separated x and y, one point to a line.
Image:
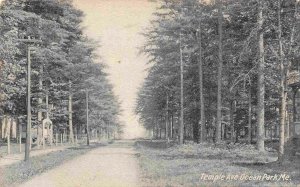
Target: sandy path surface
114	165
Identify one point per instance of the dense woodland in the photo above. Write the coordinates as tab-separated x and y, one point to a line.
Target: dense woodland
219	71
66	73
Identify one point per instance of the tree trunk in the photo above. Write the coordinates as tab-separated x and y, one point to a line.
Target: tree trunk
40	102
64	136
157	128
220	69
56	138
76	133
249	115
232	120
43	135
70	114
159	133
87	119
196	134
237	137
287	126
222	131
261	81
20	136
167	118
48	134
153	132
61	139
8	125
181	126
47	116
292	41
282	89
201	99
51	135
172	122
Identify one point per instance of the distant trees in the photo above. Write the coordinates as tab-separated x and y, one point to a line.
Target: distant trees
65	64
230	52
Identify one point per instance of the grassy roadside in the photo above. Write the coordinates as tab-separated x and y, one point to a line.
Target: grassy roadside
190	165
14	149
23	171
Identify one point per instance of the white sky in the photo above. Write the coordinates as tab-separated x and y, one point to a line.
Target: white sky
117	24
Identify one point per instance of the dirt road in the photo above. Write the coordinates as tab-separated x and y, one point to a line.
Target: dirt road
114	165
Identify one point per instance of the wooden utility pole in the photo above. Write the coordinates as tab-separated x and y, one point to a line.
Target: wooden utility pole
29	42
28	129
220	69
261	81
87	118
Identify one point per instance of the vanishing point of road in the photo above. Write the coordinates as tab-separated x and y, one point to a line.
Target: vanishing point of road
114	165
